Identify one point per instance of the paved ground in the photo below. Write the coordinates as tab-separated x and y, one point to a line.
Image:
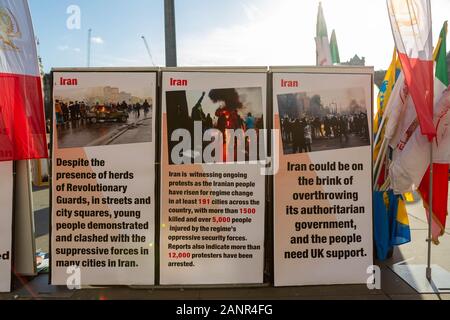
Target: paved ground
392	287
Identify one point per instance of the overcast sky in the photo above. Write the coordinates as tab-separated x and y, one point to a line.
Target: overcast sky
214	32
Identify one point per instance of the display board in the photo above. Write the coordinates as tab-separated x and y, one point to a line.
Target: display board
212	190
323	190
103	187
6	213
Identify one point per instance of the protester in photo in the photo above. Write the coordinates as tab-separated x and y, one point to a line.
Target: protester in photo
197	111
343	128
241	122
364	125
287	129
221	122
137	110
317	126
260	123
284	129
65	111
335	126
146	107
250	121
59	113
327	127
209	122
77	110
71	111
308	136
298	132
83	111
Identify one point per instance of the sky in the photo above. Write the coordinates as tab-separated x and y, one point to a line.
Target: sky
215	32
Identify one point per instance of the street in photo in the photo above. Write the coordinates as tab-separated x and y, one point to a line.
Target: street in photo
117	110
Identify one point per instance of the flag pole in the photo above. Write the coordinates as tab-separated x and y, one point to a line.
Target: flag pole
89	48
379	160
430	215
170	33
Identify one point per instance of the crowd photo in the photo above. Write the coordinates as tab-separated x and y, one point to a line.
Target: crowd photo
310	124
118	113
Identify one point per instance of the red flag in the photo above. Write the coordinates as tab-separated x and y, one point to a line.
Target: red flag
440	198
22	120
412	29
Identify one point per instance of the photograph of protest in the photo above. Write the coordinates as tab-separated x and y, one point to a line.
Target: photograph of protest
98	109
221	109
321	121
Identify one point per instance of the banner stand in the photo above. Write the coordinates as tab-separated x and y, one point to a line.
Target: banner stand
414	276
426	278
325	173
268	275
203	88
115	185
7	170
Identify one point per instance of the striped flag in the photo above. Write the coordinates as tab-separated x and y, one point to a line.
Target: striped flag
389	102
442	159
391	223
22	120
412	30
410	148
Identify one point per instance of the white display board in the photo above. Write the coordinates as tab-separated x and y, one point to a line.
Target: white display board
103	190
323	190
6	213
212	210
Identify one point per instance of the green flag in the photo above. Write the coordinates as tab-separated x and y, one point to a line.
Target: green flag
441	59
334	49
